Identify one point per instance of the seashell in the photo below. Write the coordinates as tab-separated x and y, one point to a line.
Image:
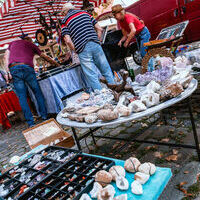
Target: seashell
121	197
91	118
107	193
123	111
122	183
85	197
96	189
116	171
136	188
150	99
107	115
103	177
137	106
132	164
147	168
141	177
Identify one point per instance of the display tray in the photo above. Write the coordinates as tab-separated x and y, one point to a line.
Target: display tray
58	178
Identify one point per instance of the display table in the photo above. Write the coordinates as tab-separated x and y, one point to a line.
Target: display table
59	84
151	190
135	116
8	102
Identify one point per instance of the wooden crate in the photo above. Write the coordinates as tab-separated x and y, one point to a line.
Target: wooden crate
48	132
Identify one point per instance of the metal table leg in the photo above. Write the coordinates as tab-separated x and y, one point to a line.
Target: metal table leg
76	138
194	128
93	136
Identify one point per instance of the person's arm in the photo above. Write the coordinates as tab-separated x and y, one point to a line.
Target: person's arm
130	35
99	31
48	59
6	58
69	42
123	38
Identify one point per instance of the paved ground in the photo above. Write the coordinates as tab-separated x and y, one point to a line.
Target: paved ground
183	162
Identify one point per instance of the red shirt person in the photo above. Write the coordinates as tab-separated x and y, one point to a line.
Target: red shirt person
131	26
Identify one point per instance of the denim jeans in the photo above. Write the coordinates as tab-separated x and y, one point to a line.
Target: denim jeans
91	57
142	38
24	75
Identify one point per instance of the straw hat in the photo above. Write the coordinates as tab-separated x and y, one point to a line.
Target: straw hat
66	7
117	8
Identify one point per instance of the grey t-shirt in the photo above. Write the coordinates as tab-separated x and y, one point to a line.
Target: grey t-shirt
3	83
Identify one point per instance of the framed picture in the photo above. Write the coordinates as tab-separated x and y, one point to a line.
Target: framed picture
176	30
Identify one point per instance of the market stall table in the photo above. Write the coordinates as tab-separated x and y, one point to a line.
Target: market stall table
151	190
8	102
135	116
58	83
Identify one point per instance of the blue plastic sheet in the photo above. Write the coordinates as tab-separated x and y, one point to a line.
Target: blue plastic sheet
152	189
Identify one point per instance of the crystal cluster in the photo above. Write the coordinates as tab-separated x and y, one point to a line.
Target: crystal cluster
158	75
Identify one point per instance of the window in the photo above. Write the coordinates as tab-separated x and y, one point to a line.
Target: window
188	1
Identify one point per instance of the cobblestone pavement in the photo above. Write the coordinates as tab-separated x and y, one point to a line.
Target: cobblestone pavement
183	162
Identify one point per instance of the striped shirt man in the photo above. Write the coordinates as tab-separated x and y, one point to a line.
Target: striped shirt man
79	25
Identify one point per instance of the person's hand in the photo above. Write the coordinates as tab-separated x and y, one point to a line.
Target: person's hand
58	64
126	44
8	77
120	43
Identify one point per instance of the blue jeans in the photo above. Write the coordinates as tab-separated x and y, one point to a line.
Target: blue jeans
91	57
24	75
142	38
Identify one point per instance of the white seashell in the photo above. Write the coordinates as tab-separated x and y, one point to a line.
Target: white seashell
103	177
96	189
136	188
122	183
121	197
150	99
85	197
107	193
132	164
147	168
141	177
137	106
117	171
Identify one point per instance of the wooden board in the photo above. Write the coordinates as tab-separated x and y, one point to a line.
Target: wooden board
48	132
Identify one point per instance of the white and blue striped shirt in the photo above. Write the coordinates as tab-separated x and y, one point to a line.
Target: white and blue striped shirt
79	25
